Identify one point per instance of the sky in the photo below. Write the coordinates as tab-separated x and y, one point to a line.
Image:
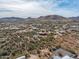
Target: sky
36	8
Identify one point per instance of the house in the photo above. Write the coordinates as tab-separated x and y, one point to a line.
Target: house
64	57
61	53
22	57
72	27
67	57
31	57
43	33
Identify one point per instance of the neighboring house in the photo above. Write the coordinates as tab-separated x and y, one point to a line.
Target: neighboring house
31	57
22	57
43	33
72	26
56	57
64	57
63	54
67	57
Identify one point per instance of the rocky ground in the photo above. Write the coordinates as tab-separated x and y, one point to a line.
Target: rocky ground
37	37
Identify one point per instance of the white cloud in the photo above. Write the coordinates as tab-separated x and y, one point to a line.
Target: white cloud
34	8
25	9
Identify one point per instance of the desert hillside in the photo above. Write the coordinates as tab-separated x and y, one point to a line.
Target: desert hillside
36	37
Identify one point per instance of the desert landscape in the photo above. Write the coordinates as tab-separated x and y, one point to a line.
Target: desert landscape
39	29
37	37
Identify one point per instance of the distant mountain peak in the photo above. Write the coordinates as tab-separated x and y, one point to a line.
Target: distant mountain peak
47	17
53	17
74	18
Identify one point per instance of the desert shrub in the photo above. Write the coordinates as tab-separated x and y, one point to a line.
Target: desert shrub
4	53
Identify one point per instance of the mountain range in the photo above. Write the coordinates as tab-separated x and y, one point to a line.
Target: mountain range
48	17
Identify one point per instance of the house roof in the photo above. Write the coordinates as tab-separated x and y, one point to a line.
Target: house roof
63	52
22	57
67	57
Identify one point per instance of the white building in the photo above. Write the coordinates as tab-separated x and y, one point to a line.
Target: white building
22	57
63	54
64	57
